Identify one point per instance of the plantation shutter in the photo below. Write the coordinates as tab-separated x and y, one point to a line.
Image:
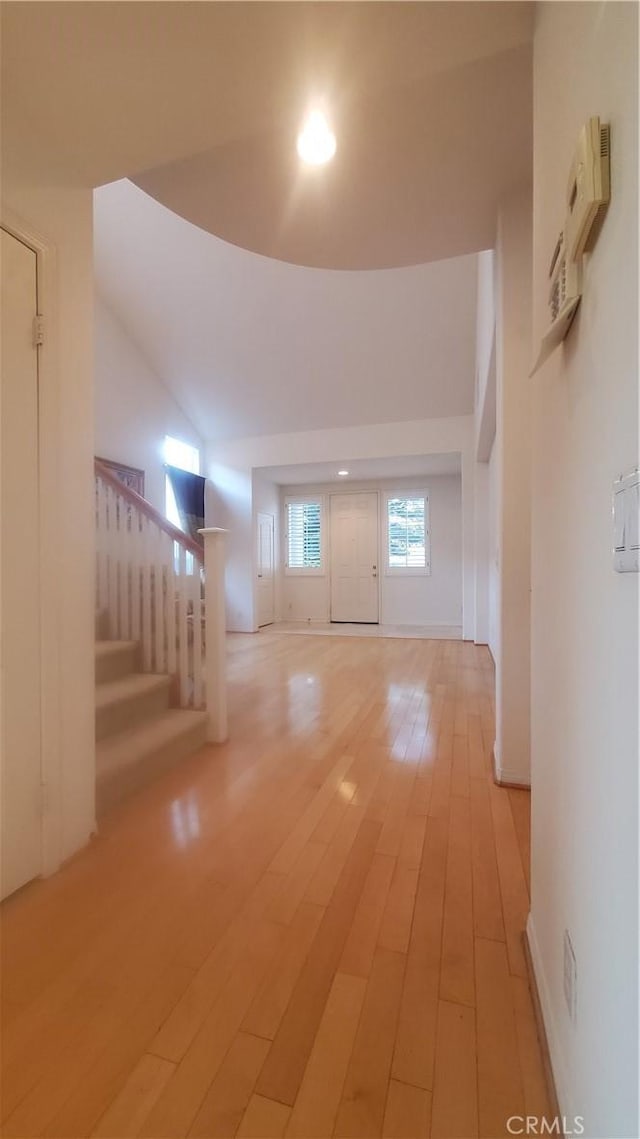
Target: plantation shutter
303	535
407	533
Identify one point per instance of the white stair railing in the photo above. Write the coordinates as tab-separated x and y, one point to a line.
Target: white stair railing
150	583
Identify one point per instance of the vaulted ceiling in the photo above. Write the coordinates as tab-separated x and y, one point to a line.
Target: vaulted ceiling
252	346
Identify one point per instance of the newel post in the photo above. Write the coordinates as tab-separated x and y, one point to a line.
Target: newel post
216	663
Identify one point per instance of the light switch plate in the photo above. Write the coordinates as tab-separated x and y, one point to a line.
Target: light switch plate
626	522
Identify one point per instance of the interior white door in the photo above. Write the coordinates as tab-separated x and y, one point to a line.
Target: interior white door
354	557
20	762
266	576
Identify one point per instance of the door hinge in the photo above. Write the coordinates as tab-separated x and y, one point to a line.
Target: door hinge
38	330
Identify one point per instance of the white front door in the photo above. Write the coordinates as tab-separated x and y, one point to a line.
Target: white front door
266	580
354	557
20	760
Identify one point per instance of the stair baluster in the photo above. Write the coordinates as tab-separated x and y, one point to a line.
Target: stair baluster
149	582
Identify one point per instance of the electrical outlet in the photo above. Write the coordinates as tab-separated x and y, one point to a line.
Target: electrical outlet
570	978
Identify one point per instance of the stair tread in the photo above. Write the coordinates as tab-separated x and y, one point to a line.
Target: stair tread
128	687
111	648
118	750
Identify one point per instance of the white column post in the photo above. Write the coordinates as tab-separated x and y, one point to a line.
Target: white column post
215	626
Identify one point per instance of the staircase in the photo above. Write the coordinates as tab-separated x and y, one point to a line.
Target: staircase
138	735
160	641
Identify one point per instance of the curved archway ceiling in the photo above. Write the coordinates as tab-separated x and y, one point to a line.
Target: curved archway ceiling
200	104
418	176
424	154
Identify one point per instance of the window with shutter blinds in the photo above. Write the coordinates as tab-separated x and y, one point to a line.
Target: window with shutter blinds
408	544
304	535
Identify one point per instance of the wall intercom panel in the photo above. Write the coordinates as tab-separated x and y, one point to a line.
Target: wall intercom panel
588	188
588	192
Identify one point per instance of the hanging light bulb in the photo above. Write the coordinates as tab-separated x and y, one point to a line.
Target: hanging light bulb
316	141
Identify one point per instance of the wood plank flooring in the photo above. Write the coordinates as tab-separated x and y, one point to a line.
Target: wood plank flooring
313	930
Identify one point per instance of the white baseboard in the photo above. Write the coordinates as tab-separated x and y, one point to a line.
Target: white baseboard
512	778
558	1066
507	776
427	624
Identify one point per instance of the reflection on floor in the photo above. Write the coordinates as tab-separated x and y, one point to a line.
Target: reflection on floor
343	629
312	930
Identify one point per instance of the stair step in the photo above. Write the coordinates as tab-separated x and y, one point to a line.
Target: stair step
132	758
128	701
101	625
115	659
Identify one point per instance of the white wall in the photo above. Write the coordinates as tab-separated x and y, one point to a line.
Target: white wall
228	503
493	584
230	463
485	402
513	430
584	615
482	552
62	217
485	322
133	408
485	432
434	599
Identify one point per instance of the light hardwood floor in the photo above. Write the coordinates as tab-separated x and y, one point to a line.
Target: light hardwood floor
314	930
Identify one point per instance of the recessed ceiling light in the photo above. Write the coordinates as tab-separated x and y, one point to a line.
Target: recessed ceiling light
316	141
343	474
